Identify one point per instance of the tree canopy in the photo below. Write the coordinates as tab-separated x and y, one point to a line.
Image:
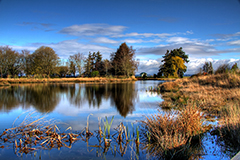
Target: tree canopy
10	61
123	61
44	61
174	63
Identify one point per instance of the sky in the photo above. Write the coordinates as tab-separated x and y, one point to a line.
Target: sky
207	30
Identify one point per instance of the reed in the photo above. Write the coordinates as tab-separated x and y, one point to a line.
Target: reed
87	128
172	133
107	126
35	132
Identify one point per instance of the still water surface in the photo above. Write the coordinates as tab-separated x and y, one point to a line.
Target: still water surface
71	104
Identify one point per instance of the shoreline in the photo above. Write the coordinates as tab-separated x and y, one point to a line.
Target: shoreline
9	81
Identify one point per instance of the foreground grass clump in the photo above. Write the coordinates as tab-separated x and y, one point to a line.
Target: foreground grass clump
170	135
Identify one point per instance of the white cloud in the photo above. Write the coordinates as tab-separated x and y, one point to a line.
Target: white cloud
19	48
69	47
104	40
189	32
133	41
226	36
178	40
141	41
92	30
149	66
193	47
237	42
162	35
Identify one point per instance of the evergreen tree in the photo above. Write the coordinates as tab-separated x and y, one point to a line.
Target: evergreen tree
88	67
93	63
123	61
173	63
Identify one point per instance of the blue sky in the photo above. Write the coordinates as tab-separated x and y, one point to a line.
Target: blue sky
208	30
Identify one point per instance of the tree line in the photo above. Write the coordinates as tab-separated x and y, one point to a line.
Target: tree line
45	62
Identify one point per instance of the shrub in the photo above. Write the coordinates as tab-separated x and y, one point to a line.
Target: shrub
224	68
94	73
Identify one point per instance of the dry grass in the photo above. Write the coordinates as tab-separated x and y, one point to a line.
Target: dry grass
228	131
169	86
4	83
171	133
216	95
211	92
60	80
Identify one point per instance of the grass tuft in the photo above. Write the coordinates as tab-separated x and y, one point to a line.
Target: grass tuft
170	134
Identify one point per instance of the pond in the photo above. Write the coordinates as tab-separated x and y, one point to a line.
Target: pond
71	104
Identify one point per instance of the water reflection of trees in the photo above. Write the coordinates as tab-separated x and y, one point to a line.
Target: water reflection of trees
121	95
11	97
45	97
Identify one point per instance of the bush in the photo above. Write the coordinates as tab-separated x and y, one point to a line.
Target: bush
94	74
224	68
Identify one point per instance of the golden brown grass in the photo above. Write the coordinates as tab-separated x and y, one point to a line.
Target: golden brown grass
170	134
211	92
216	95
169	86
228	131
60	80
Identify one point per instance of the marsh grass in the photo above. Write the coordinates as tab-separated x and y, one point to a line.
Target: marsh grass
228	131
211	92
107	127
37	132
170	135
216	96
